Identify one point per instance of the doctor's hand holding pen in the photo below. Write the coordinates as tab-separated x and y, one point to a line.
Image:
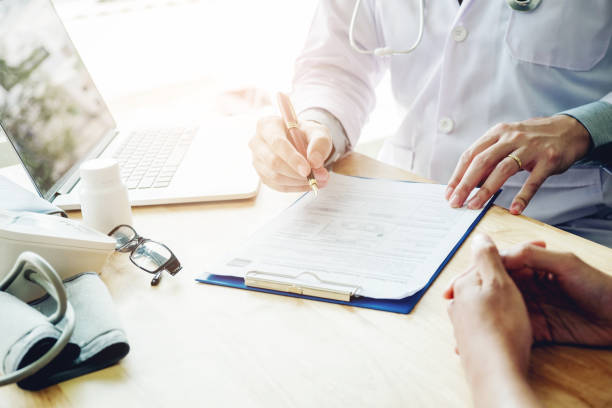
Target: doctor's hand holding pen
289	156
542	146
505	302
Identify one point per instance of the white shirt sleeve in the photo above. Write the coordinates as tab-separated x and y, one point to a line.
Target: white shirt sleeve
331	76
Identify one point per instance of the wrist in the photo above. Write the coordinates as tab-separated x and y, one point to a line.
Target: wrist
579	136
492	368
596	118
502	387
495	370
339	140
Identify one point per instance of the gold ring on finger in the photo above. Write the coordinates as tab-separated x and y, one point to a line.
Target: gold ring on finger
517	160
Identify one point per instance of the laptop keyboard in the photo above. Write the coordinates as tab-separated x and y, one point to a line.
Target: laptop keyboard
150	158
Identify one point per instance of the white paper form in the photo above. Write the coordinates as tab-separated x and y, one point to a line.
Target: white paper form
386	237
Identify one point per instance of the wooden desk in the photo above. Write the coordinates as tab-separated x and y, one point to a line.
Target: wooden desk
201	345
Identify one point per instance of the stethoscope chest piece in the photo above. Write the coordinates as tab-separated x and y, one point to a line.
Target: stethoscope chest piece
523	5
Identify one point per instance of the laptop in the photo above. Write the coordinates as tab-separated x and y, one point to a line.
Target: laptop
55	118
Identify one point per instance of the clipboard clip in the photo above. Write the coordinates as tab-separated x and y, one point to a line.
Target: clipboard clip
306	283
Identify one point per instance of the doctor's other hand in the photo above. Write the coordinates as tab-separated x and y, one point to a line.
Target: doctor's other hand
279	164
492	329
569	302
542	146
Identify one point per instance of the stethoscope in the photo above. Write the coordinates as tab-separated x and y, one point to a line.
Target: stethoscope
518	5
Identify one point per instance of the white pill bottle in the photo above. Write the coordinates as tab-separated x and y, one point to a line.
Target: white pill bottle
104	197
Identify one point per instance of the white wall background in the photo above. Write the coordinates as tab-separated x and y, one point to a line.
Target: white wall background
132	47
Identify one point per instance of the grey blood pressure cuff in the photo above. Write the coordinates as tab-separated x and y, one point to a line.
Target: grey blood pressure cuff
98	340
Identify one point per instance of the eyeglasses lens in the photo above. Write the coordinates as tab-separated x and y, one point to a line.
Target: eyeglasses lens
123	236
150	256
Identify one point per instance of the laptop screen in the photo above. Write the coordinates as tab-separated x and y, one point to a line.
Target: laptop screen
49	107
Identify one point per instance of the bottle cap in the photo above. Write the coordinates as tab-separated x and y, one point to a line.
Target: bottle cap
100	171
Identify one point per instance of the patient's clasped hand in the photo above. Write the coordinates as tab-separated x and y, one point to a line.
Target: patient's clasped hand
505	302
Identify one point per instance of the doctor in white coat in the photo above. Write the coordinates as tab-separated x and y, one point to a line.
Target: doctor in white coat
508	94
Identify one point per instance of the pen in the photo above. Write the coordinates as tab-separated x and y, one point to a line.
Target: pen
296	136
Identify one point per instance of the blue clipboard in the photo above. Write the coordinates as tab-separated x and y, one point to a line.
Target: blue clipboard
403	306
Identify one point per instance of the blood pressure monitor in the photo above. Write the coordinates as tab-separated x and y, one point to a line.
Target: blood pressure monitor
68	245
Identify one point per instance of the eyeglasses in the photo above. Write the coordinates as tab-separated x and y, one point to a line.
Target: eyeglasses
150	256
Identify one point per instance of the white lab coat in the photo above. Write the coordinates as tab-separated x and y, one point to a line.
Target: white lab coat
478	65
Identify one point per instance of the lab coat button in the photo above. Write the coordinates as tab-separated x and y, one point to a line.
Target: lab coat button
446	125
459	33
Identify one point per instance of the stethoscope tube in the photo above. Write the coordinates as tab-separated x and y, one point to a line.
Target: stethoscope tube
518	5
382	51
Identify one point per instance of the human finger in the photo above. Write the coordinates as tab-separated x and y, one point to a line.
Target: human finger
505	169
506	252
521	275
537	257
272	131
525	274
465	282
318	149
449	292
270	175
450	309
488	139
479	168
322	176
529	188
284	183
319	143
288	189
486	256
285	188
264	155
